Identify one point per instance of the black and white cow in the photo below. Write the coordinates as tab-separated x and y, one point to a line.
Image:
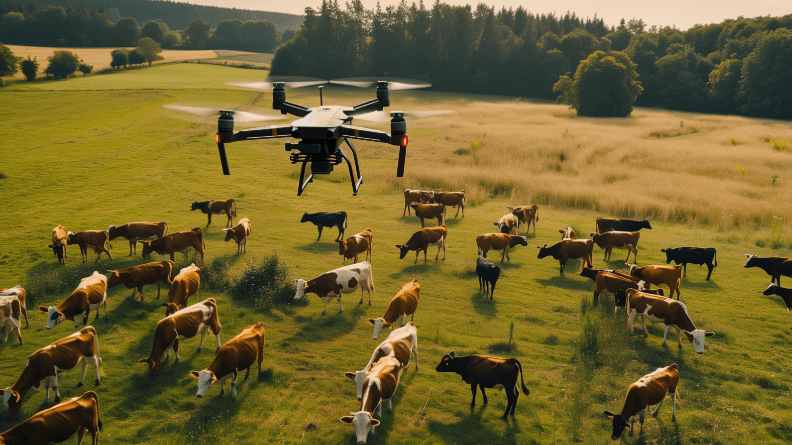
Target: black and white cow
692	255
326	219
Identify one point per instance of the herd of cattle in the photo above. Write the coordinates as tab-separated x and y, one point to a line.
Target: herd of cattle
376	383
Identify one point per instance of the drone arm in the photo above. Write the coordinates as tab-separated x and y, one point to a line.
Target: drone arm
275	131
365	134
291	108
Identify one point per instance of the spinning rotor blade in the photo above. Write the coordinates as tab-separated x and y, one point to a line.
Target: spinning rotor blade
291	82
394	84
383	116
239	116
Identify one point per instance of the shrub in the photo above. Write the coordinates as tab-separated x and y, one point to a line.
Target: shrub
779	145
149	49
62	64
475	145
85	68
265	284
8	63
734	141
30	68
136	58
120	58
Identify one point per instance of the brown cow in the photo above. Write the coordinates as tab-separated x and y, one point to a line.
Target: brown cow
56	424
668	311
176	242
355	245
403	304
239	233
569	248
185	285
139	276
526	214
614	281
422	239
649	390
98	239
135	231
419	196
59	237
451	199
241	352
21	295
670	276
216	206
400	343
89	295
498	241
429	211
620	240
378	387
508	224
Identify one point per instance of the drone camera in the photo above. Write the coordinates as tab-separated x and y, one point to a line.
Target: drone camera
321	168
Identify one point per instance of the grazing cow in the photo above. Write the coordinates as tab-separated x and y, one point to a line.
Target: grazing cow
139	276
355	245
185	285
568	233
622	225
98	239
419	196
451	199
508	224
216	206
325	219
339	281
56	424
186	323
10	315
649	390
693	255
782	292
488	274
241	352
620	240
176	242
239	233
526	215
613	282
499	241
668	311
403	304
592	273
487	372
135	231
773	266
89	295
569	248
48	362
21	295
400	343
429	211
621	295
59	237
422	239
378	387
670	276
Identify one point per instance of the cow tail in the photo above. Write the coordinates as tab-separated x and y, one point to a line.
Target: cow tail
345	219
519	366
166	229
676	394
99	422
234	204
715	258
108	246
536	214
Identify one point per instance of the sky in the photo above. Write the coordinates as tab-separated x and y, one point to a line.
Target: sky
680	13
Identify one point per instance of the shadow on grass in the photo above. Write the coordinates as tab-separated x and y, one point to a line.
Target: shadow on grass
565	283
328	327
483	305
700	284
320	247
469	428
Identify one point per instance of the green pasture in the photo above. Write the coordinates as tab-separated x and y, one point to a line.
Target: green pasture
101	150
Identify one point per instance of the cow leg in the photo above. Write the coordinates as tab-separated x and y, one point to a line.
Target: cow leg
80	434
96	363
665	334
657	410
674	400
679	336
55	387
84	361
131	246
46	394
19	331
422	222
509	403
561	264
473	390
709	267
630	319
217	337
425	254
140	291
176	349
158	290
105	308
341	308
503	255
320	233
516	396
483	394
233	384
210	219
643	322
326	303
24	312
230	219
492	290
439	246
247	372
203	337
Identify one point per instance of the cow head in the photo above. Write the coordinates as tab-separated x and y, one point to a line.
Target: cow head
70	238
301	285
114	279
111	231
619	424
11	398
589	273
523	241
645	224
597	239
447	363
567	233
154	367
378	324
669	254
772	289
304	218
205	380
403	249
752	261
342	245
621	298
697	338
195	206
631	267
359	377
146	248
363	424
229	234
54	317
170	308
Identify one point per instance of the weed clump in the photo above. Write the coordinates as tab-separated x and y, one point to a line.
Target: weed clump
265	284
779	145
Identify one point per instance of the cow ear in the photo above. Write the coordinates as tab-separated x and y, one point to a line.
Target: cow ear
347	419
709	334
561	231
610	415
452	353
349	375
195	374
375	422
662	250
214	378
43	308
371	320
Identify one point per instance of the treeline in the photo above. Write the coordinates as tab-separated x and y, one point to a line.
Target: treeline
738	66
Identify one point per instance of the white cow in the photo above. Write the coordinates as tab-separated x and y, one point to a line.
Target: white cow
407	333
339	281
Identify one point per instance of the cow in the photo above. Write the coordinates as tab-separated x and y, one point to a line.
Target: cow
378	387
339	281
693	255
48	362
98	239
59	237
621	295
186	323
621	240
568	233
451	199
135	231
622	225
488	274
569	248
90	294
404	303
419	196
773	266
21	295
670	276
185	285
325	219
508	224
355	245
499	241
649	390
422	239
400	343
239	233
239	353
668	311
176	242
76	415
10	315
429	211
139	276
487	372
526	215
592	274
613	282
784	293
216	206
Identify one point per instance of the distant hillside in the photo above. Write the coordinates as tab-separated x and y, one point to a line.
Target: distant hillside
176	14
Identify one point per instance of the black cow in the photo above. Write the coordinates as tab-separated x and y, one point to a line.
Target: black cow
488	274
621	225
621	295
325	219
782	292
692	255
774	266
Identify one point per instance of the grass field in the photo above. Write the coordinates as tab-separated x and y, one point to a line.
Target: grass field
91	152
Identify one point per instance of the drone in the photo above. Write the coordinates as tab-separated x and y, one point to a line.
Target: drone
324	132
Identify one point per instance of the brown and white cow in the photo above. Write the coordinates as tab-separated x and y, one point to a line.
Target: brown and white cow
403	304
419	196
176	242
89	295
48	362
526	215
185	285
668	311
620	240
239	233
400	343
499	241
649	390
429	211
378	387
227	206
508	224
59	237
10	315
670	276
451	199
241	352
76	415
21	295
186	323
569	248
613	281
568	233
138	276
98	239
339	281
422	239
135	231
355	245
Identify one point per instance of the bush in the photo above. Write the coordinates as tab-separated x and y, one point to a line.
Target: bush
266	284
62	64
149	49
30	68
8	63
136	58
779	145
120	58
85	68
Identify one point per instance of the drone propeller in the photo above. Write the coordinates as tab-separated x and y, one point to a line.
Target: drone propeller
239	116
289	81
382	116
394	84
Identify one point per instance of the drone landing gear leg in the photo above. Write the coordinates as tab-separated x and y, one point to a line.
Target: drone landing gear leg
355	185
302	185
